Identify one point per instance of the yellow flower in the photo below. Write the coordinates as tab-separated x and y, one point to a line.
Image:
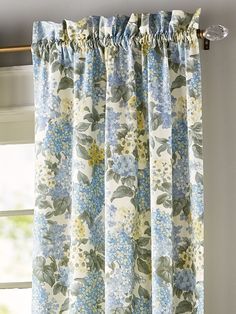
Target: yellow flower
142	151
132	101
96	154
46	175
180	108
145	44
188	257
198	230
66	105
194	110
199	256
140	224
140	119
81	23
78	261
79	228
162	168
128	143
51	183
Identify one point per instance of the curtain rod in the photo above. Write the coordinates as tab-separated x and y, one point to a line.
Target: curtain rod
212	33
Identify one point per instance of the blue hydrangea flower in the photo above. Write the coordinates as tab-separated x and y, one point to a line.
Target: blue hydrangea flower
124	165
185	280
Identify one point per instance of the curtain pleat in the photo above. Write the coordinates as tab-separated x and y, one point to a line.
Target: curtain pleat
118	224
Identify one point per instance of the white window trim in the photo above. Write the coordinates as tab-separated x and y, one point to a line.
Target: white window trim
16	105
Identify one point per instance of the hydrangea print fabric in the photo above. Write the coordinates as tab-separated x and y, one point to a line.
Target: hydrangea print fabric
118	224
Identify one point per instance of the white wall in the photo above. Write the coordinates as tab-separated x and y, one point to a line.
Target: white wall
219	109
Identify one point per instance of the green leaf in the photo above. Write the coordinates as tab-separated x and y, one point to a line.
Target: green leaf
120	91
61	205
197	127
44	273
128	181
95	114
179	205
43	188
143	267
143	292
41	203
138	67
53	263
116	92
101	262
48	275
161	149
143	241
156	122
164	269
143	253
148	231
175	66
89	117
199	178
49	215
116	177
197	150
82	152
183	307
55	66
65	83
85	216
122	191
166	186
94	126
178	82
59	288
197	139
82	126
82	177
162	140
84	138
186	210
109	174
65	306
177	292
161	198
133	201
79	68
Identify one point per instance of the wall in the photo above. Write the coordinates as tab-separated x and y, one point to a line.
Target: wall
219	109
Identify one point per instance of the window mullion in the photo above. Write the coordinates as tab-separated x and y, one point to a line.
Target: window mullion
16	285
17	212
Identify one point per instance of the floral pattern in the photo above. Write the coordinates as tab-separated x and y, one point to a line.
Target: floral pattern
118	224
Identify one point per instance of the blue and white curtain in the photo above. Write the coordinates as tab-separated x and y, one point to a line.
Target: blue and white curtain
119	185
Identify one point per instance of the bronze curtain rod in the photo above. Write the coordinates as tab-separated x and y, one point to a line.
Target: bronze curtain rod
200	35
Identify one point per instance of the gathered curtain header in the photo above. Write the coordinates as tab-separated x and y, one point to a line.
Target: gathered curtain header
162	26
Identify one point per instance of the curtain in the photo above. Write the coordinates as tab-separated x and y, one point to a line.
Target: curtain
118	224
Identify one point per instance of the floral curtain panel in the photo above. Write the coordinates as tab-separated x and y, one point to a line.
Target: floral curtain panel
119	195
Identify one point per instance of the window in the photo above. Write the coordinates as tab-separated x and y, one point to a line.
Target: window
16	188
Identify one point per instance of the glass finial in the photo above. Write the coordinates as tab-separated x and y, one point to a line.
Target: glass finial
216	32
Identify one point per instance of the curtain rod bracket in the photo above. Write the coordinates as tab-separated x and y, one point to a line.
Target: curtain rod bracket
212	33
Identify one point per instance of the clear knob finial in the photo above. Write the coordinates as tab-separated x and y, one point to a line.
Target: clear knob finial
216	32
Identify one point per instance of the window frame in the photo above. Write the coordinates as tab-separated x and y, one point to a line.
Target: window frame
16	127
